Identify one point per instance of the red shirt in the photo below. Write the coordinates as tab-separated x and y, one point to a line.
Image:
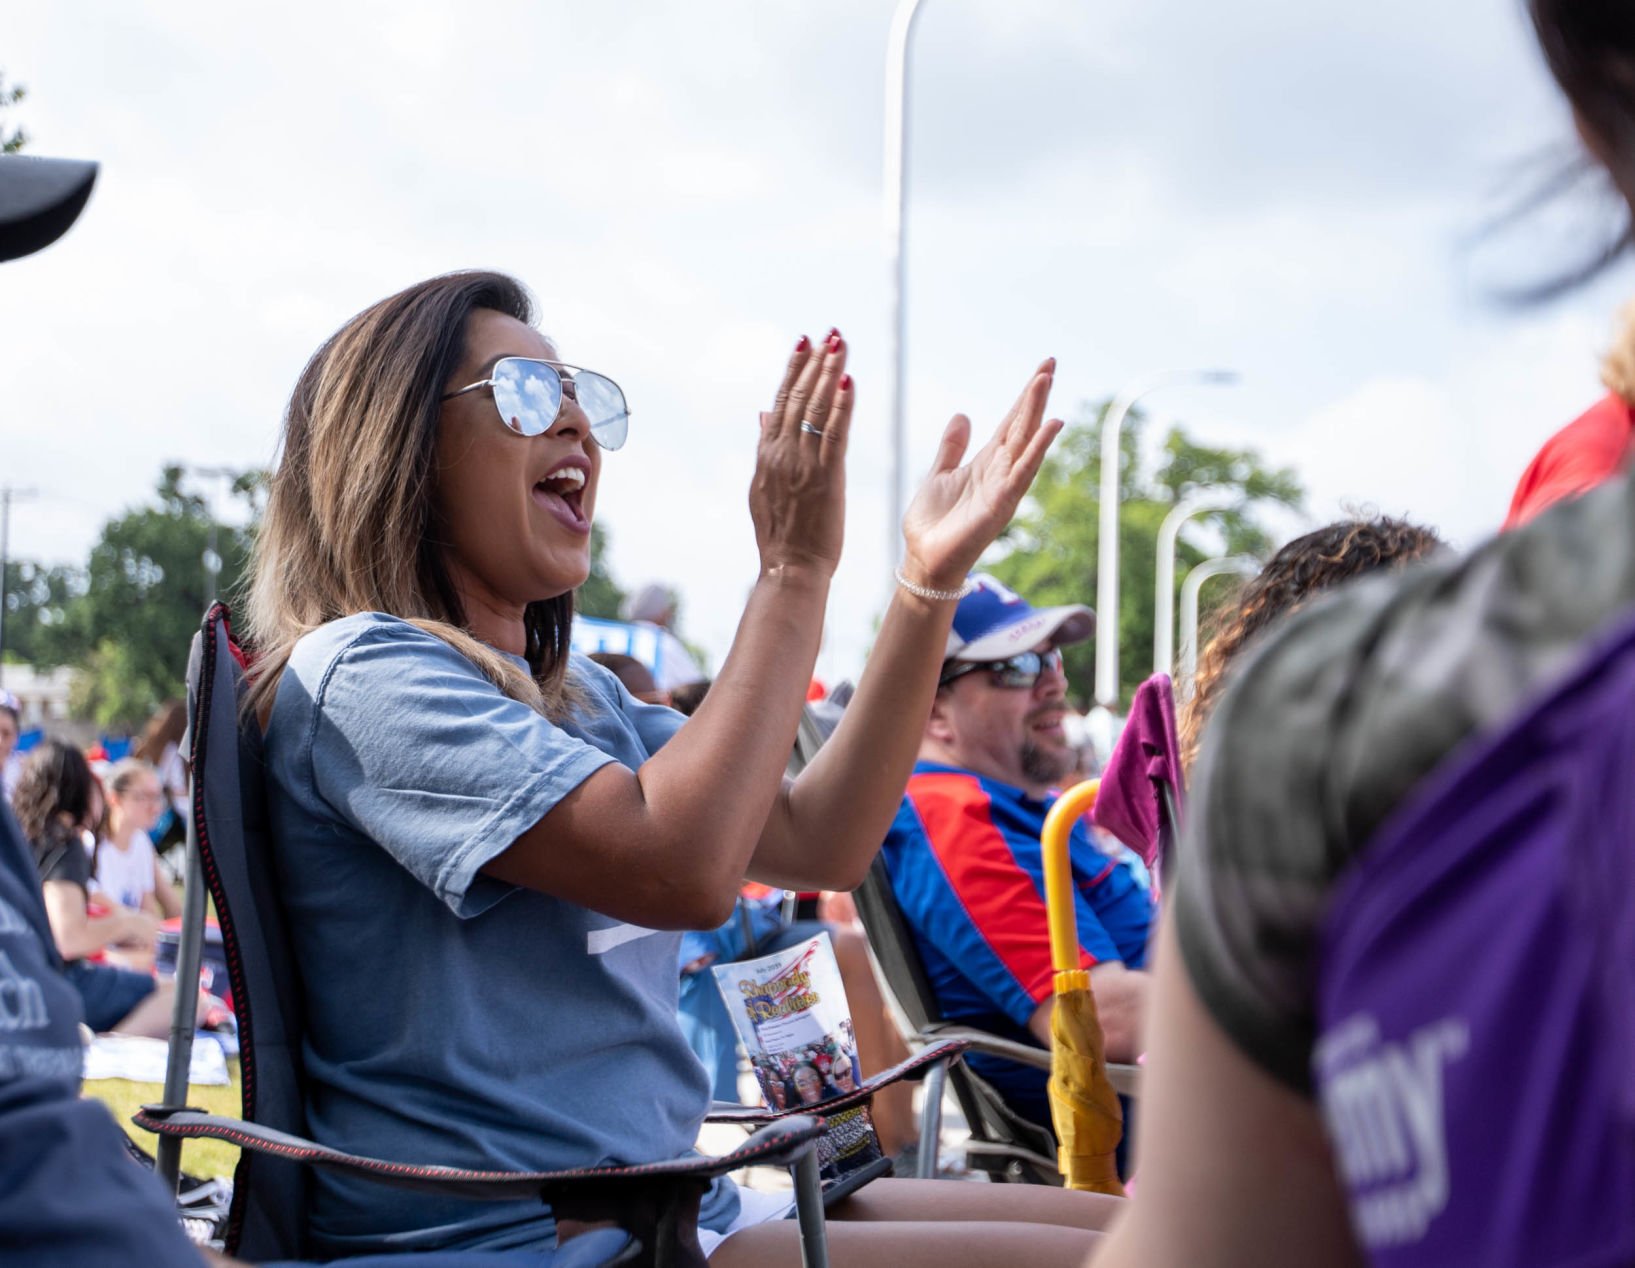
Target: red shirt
1590	449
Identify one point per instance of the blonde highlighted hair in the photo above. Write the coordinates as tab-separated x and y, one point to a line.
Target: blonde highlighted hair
1618	366
352	523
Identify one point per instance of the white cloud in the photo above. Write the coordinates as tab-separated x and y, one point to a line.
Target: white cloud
1131	187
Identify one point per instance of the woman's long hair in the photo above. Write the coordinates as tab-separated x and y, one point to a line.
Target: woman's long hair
55	784
1589	46
1301	569
352	522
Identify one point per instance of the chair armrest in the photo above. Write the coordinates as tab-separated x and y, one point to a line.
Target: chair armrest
915	1067
1125	1078
777	1144
988	1044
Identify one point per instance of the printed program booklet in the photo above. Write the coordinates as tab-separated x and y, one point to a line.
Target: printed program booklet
791	1014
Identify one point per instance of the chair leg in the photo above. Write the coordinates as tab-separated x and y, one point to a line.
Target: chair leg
814	1235
184	1014
925	1164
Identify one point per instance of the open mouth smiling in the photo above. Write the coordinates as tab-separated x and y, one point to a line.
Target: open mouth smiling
562	494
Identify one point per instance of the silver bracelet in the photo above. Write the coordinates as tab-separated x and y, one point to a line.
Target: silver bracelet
939	596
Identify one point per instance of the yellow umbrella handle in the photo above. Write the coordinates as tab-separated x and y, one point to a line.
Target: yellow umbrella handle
1064	926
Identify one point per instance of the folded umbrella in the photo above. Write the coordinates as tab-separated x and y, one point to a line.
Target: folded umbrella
1083	1105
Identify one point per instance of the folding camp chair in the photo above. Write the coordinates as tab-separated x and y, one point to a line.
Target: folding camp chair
1003	1145
229	851
1476	1010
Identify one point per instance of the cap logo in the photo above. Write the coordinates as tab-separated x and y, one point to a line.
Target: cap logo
998	589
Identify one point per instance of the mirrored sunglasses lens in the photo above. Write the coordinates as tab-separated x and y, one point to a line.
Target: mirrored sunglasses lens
528	394
604	405
1023	669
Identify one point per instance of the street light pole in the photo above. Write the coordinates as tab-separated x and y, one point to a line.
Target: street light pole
8	495
1107	533
212	557
1244	565
1163	599
896	208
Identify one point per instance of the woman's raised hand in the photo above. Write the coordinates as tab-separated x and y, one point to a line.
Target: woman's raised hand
959	510
797	497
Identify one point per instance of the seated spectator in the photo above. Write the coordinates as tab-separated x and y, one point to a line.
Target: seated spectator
125	868
1305	567
160	746
53	802
11	727
964	853
1593	447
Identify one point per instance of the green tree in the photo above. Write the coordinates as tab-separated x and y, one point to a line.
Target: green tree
38	599
14	139
600	595
145	589
1051	547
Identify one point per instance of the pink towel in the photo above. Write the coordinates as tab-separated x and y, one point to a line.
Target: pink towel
1146	756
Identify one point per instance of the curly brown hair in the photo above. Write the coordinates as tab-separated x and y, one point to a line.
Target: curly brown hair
55	783
1306	566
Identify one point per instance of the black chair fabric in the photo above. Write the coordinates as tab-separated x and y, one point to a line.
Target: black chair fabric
230	818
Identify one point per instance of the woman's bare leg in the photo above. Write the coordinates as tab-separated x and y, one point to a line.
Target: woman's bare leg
940	1224
911	1244
151	1017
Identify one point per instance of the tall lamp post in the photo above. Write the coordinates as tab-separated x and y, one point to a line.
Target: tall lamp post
896	198
1163	599
212	557
1243	565
8	495
1107	545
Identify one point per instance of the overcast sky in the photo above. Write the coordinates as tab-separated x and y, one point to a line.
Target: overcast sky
1286	189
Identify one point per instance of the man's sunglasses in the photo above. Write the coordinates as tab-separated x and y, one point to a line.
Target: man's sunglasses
1020	670
528	392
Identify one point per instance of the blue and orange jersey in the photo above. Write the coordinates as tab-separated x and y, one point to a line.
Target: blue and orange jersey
967	868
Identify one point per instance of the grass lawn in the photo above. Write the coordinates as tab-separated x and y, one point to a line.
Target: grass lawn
199	1157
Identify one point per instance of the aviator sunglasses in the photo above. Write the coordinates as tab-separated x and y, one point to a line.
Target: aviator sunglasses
528	392
1020	670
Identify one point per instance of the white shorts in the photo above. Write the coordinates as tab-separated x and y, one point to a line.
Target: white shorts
754	1207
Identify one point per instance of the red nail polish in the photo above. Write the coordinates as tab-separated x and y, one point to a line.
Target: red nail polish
803	345
845	382
834	343
834	332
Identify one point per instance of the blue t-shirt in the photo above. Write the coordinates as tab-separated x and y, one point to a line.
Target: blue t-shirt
452	1018
69	1194
967	869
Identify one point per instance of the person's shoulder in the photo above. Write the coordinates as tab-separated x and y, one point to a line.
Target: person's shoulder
333	638
934	781
374	642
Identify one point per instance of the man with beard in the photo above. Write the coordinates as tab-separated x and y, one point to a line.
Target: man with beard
964	854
